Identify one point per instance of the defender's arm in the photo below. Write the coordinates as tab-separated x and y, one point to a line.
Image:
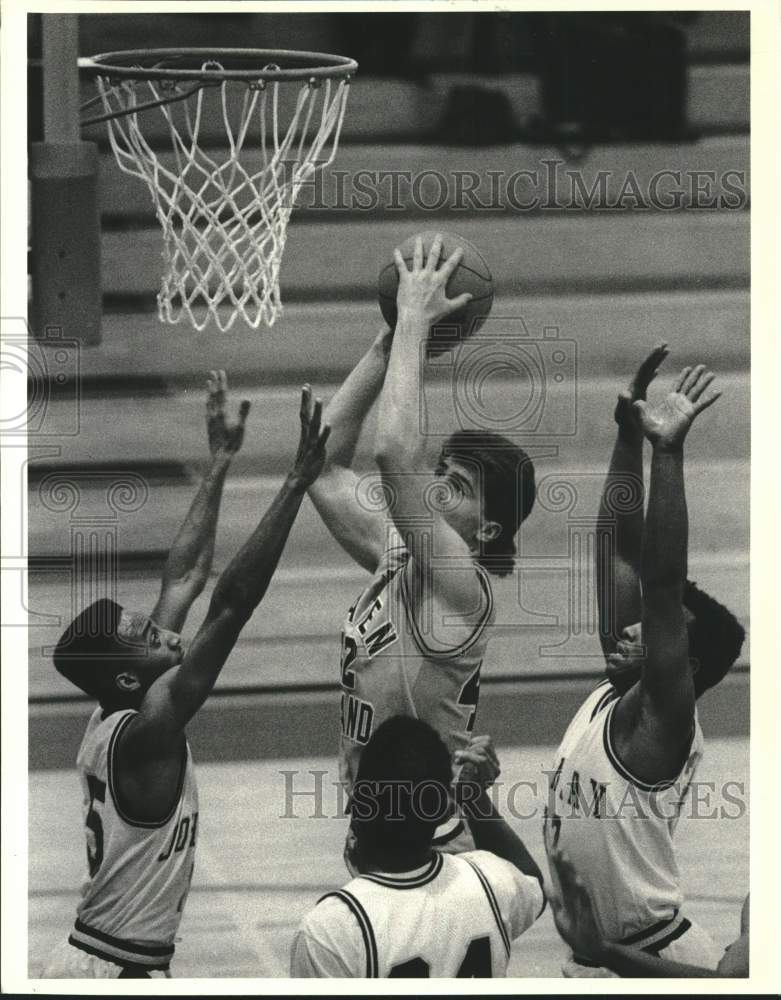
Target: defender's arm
618	568
190	557
178	694
667	684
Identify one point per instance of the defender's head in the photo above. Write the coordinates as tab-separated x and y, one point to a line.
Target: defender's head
114	655
402	791
491	483
715	641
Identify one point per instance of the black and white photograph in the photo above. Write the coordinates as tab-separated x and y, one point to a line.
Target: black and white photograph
377	488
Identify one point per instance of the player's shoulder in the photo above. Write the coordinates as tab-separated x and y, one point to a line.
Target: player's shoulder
102	728
500	874
333	921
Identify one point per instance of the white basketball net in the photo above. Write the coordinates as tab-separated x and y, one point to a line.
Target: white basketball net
225	222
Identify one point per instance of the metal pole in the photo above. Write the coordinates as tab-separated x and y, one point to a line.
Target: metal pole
65	215
60	78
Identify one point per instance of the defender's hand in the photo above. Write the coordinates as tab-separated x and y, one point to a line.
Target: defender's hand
310	457
479	763
422	290
224	439
627	418
668	423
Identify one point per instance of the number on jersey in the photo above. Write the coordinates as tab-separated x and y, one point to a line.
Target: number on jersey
476	964
470	695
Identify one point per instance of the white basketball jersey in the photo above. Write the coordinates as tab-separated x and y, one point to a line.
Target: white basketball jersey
618	830
454	917
139	872
397	659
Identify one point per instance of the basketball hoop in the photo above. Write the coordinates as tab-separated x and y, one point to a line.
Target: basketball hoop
224	221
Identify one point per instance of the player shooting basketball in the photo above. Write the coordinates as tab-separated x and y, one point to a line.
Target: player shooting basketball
140	796
414	912
629	755
414	641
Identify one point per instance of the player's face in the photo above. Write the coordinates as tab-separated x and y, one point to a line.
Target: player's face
159	649
459	503
630	645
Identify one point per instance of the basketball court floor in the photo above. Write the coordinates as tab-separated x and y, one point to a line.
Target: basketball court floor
258	872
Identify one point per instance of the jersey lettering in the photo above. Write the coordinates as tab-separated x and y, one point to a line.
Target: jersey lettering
383	637
357	718
179	837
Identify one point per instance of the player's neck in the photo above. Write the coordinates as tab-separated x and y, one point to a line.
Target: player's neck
398	862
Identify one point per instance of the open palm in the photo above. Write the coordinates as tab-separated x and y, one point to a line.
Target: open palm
668	421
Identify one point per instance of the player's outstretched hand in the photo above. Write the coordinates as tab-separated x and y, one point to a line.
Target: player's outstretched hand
310	457
626	416
667	423
423	289
224	439
573	912
479	763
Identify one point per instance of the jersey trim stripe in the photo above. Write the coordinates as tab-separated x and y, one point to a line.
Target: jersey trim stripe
649	932
625	773
392	882
493	903
456	651
369	941
110	768
657	946
115	949
606	697
451	834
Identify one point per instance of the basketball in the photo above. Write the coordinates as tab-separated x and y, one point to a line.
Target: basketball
471	275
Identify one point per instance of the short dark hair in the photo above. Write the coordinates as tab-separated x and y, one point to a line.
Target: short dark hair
715	637
90	651
402	789
509	489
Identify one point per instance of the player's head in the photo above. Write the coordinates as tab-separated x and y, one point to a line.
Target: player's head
715	641
115	655
490	491
402	790
715	637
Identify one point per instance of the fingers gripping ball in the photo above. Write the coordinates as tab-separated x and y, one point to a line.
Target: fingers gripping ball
471	275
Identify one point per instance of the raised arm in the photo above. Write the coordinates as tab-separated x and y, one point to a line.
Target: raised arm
617	567
335	493
490	832
400	447
178	694
667	686
190	557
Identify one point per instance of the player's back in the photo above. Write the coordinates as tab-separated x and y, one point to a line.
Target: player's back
454	917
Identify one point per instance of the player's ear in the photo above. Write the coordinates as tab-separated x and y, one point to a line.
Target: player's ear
488	531
127	681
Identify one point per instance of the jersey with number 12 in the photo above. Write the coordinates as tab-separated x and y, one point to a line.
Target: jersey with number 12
395	662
